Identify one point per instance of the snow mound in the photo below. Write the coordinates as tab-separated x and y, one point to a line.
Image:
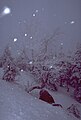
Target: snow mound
16	104
25	79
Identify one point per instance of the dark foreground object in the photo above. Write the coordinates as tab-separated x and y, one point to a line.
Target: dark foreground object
45	96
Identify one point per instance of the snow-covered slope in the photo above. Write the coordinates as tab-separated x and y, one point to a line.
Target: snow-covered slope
16	104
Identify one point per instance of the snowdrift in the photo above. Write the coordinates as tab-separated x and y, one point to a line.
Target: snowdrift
16	104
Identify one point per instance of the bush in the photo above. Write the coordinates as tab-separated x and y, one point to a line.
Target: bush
10	73
74	110
77	93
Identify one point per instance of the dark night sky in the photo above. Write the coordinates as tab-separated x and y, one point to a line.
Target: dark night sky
30	20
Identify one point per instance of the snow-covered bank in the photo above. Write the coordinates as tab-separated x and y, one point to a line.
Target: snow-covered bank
16	104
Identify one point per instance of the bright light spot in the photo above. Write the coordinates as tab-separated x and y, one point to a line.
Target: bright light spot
8	66
36	11
72	22
22	70
34	15
31	37
15	39
30	62
25	34
51	66
6	11
61	43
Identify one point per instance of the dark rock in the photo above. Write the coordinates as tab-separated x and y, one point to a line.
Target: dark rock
45	96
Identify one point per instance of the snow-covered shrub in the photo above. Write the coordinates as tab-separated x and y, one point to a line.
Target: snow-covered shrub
22	61
9	66
49	79
0	62
76	74
74	110
36	72
64	74
77	93
44	76
10	73
6	58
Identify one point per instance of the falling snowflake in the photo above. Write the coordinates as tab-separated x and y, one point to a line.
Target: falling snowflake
34	15
21	70
30	62
61	43
51	66
6	11
15	39
25	34
36	11
31	37
72	22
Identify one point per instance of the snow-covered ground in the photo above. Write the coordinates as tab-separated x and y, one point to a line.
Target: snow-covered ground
17	104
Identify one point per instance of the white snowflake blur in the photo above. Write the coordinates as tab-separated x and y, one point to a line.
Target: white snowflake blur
25	34
15	39
36	11
51	66
61	43
22	70
30	62
5	11
72	22
31	37
34	15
